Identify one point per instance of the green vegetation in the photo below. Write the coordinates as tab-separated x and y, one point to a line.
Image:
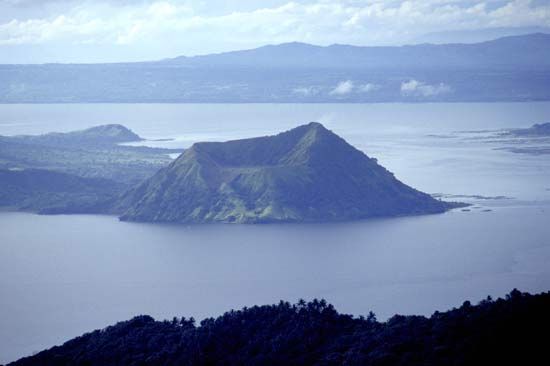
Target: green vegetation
80	171
503	332
91	153
124	164
305	174
50	192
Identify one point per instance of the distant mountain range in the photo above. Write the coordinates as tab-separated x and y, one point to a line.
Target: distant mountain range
477	35
526	51
515	68
307	174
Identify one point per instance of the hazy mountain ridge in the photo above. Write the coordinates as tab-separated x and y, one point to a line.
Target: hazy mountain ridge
527	51
508	69
314	333
111	134
304	174
478	35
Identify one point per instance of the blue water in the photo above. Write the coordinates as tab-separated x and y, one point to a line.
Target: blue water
61	276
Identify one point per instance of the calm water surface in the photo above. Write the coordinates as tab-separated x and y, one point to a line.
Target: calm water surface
63	275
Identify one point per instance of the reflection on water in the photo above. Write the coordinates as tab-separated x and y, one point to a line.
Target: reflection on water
63	275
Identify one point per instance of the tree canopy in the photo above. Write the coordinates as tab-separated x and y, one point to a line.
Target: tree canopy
493	332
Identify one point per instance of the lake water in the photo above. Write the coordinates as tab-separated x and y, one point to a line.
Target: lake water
61	276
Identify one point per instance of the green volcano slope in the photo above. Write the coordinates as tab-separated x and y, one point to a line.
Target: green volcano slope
307	174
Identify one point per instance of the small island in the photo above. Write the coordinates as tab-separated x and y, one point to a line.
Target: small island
307	174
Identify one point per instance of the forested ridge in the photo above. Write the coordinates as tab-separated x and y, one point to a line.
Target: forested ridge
493	332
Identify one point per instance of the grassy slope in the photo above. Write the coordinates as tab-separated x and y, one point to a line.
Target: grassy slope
305	174
51	192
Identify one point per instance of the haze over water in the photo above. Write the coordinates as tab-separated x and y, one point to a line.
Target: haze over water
63	275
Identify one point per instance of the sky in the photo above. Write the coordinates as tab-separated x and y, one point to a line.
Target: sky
40	31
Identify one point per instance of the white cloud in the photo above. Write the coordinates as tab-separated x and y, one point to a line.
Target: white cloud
343	87
368	87
418	88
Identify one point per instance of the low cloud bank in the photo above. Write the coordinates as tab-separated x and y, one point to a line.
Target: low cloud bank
367	88
421	89
343	88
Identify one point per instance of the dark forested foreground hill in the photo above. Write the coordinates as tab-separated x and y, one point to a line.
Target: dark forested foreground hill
507	69
502	332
